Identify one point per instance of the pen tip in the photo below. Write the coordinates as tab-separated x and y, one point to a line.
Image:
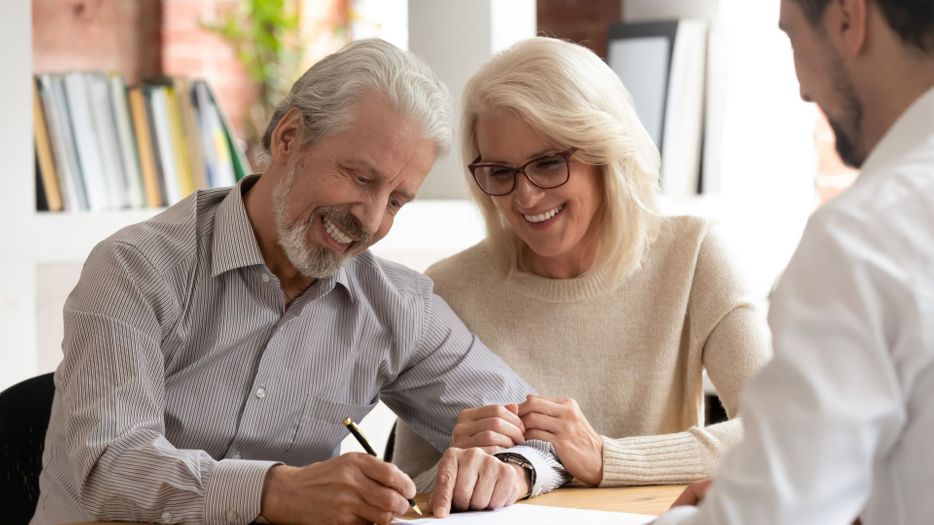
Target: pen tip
347	421
417	510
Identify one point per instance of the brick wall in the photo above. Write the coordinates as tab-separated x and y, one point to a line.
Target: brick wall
106	35
191	51
583	21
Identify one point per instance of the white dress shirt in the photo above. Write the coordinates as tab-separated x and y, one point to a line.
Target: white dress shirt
841	423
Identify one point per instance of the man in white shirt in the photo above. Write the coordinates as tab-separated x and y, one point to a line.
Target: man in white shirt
839	425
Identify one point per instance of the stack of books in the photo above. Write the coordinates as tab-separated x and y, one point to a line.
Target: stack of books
101	145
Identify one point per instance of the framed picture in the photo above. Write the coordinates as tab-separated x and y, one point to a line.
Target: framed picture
663	65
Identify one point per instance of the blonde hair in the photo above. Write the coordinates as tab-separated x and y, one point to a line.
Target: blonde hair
573	98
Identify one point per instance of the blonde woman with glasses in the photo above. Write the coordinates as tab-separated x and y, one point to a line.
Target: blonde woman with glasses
608	309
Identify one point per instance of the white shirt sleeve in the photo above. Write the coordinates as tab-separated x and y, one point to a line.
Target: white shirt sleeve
829	406
549	472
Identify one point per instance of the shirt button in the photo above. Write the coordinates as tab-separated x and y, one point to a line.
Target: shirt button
265	278
167	517
232	516
235	455
260	392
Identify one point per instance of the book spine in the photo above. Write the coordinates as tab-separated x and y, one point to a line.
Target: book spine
129	158
45	160
144	144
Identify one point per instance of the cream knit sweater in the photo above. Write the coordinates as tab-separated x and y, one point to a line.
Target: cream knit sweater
632	357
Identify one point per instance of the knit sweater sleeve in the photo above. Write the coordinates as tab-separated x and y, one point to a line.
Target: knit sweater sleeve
733	342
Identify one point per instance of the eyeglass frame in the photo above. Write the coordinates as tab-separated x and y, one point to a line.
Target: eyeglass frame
567	154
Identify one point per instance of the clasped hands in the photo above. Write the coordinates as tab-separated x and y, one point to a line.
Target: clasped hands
558	421
356	488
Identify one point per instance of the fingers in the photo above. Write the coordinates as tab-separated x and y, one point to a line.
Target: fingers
470	467
386	475
370	514
552	406
510	484
384	489
693	494
559	416
479	497
440	498
537	421
542	435
384	499
489	426
494	411
496	431
473	479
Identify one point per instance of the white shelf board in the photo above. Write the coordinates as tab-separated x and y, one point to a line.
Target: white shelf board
70	236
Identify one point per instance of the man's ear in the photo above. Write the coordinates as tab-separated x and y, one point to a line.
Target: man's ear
288	135
846	25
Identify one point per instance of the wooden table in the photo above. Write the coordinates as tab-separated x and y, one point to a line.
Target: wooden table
637	500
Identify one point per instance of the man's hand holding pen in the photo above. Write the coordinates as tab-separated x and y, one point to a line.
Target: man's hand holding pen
361	488
350	488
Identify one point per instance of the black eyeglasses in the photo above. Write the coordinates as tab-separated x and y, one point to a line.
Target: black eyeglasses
545	172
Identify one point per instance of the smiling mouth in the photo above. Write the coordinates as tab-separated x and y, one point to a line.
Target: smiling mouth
335	233
542	217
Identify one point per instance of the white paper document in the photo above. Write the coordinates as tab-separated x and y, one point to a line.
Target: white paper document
522	514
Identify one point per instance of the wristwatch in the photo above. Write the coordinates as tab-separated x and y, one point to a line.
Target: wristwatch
516	459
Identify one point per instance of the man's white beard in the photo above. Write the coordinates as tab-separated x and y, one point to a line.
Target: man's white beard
312	262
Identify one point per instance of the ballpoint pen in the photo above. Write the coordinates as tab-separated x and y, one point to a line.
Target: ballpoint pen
352	427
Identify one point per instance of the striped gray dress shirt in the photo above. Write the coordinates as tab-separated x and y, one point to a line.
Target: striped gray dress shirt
185	377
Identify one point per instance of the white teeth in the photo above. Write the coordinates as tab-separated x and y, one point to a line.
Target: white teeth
543	216
335	234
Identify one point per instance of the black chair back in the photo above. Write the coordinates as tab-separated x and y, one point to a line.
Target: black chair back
24	418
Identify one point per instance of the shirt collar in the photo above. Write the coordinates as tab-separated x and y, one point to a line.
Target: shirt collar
234	244
910	129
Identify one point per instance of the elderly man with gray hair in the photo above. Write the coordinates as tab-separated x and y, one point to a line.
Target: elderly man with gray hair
211	352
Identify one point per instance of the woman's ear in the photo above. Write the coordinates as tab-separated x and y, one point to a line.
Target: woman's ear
287	137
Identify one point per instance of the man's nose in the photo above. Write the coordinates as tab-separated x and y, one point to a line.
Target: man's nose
804	96
370	214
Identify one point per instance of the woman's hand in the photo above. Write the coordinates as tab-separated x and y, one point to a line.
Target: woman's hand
492	428
561	422
693	494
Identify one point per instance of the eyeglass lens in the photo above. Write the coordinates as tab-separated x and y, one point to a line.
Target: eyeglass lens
545	172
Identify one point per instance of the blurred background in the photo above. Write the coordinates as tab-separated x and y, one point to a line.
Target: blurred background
761	159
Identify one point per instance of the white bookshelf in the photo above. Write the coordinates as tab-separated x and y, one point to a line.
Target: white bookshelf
70	236
31	239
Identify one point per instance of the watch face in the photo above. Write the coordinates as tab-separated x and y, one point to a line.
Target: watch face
517	460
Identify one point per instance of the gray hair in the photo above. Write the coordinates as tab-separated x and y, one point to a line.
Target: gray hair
328	92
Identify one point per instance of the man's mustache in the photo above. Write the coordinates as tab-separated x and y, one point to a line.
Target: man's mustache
346	222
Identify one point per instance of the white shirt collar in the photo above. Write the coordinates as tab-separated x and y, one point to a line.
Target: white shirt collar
909	129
